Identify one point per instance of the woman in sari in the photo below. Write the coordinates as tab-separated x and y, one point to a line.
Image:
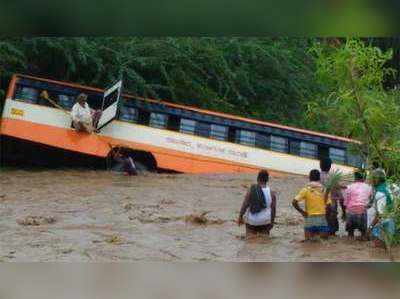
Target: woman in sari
381	227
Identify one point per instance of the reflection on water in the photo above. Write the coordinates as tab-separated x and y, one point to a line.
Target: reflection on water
103	216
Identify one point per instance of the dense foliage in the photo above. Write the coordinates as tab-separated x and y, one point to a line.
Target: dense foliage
355	103
266	78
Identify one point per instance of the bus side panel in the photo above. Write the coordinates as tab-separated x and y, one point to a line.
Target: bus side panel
98	145
172	150
48	126
90	144
196	148
193	165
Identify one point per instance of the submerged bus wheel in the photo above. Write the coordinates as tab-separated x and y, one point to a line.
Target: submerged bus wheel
144	161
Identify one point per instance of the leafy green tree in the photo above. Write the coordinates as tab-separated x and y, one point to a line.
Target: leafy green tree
354	103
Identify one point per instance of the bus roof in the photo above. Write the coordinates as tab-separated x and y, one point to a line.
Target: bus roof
195	109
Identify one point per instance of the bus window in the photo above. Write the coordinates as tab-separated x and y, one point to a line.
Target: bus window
188	126
337	155
263	141
231	134
158	120
203	129
219	132
28	95
173	123
43	98
129	114
309	150
354	160
144	117
66	101
294	147
279	144
246	137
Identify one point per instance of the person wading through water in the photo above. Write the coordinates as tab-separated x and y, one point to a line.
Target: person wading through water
83	117
259	207
128	165
336	196
381	226
316	203
356	199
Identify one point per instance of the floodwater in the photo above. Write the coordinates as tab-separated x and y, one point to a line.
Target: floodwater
103	216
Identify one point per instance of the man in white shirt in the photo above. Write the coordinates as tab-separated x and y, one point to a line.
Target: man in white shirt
83	117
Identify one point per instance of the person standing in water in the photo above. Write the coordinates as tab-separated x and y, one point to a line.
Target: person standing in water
126	161
380	226
356	199
336	196
316	205
259	207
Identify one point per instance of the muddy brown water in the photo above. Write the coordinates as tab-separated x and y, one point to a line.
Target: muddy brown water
103	216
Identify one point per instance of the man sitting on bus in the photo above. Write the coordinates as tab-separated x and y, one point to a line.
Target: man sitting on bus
83	117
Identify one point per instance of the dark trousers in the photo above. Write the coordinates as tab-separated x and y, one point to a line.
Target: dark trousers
259	229
332	219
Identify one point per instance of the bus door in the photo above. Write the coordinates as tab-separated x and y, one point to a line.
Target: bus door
110	106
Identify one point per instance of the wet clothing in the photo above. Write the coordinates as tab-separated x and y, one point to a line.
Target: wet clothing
336	199
315	207
257	199
382	201
313	196
260	229
332	218
385	227
128	165
263	216
356	221
266	215
383	188
378	207
316	224
356	197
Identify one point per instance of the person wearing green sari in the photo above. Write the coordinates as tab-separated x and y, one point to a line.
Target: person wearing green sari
380	226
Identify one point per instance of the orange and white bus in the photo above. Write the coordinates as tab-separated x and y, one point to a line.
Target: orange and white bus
166	135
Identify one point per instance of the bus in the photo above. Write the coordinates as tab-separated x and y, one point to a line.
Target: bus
165	135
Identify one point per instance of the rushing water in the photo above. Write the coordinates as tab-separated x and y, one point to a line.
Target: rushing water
103	216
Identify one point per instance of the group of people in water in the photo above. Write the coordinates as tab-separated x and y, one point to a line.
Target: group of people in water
365	206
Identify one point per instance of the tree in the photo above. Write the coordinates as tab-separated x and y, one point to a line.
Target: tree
354	102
